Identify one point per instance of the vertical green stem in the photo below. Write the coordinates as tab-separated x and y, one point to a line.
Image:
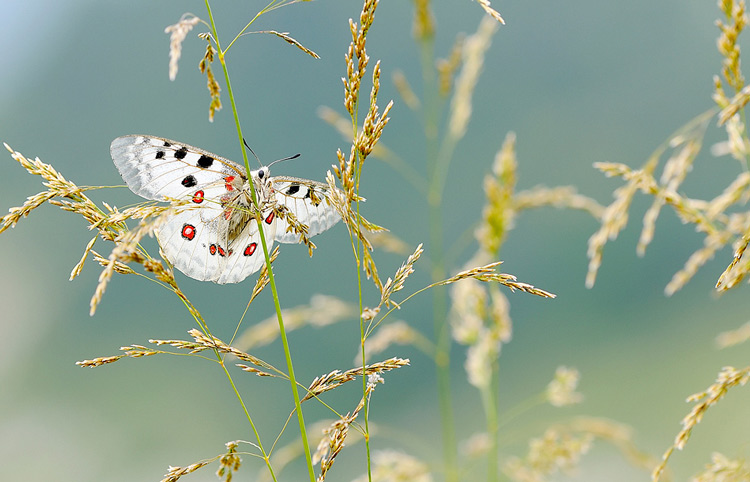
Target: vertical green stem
437	255
272	281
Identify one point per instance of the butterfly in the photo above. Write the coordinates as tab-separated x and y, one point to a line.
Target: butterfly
216	238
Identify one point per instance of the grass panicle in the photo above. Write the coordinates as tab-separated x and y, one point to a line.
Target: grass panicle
728	377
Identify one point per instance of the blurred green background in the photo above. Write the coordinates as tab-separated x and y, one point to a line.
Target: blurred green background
578	82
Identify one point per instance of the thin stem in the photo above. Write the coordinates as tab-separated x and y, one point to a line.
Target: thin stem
272	281
439	306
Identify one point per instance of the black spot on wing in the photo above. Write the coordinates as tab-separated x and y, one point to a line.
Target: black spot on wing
205	161
189	181
160	154
181	152
292	189
167	144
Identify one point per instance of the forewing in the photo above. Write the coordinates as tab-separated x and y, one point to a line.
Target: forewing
309	202
154	167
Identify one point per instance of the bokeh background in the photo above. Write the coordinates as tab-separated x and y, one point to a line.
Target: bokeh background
578	82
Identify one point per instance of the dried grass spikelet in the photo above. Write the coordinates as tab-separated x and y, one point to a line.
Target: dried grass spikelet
205	68
733	337
337	378
488	274
727	43
724	469
561	391
335	435
499	186
174	473
390	465
424	21
728	377
485	4
616	434
473	58
285	36
557	197
446	68
556	451
132	351
358	53
323	310
394	333
401	83
229	463
391	286
178	32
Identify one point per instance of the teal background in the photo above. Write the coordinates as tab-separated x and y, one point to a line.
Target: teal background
578	82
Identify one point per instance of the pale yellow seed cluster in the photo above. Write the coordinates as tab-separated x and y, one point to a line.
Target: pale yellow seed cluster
446	68
323	310
424	21
335	435
729	377
554	452
474	49
229	463
561	391
177	34
205	68
733	337
499	211
392	466
394	333
723	469
736	17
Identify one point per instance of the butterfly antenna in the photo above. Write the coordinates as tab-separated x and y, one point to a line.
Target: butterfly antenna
252	152
285	159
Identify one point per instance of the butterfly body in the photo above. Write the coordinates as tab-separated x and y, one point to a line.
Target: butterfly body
216	237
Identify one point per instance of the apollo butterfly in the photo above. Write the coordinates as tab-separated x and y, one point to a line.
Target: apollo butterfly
217	238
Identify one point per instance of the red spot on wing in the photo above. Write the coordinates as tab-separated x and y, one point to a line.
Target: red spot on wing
269	218
188	231
198	197
250	249
212	249
228	183
222	253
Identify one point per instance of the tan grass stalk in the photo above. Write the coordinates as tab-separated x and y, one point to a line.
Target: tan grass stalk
473	58
335	435
178	32
337	378
556	451
394	333
391	286
174	473
446	68
424	21
401	83
390	465
323	310
557	197
728	45
733	337
728	377
285	36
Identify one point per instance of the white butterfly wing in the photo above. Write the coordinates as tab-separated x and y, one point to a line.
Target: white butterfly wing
246	257
154	167
309	202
